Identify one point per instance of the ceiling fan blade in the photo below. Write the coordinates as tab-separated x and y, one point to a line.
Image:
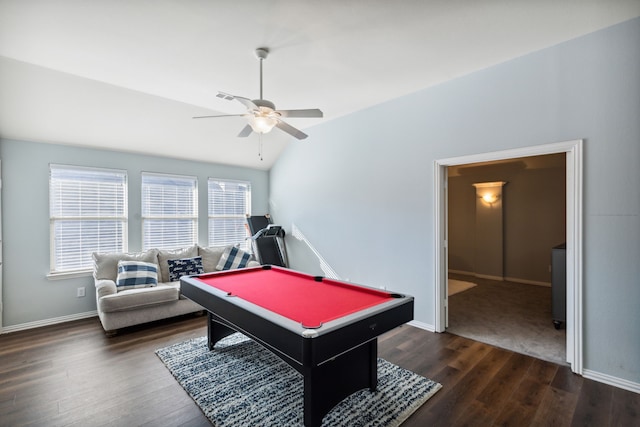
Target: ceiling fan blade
244	101
291	130
246	131
219	115
226	96
312	112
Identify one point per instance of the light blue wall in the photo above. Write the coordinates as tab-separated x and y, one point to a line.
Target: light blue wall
360	188
28	296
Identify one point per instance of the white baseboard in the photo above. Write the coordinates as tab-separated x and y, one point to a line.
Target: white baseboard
478	275
466	273
490	277
47	322
611	380
527	282
422	325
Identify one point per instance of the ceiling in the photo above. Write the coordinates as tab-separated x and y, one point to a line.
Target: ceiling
129	75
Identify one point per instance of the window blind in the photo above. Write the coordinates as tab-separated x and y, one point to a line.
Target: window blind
88	213
229	204
169	211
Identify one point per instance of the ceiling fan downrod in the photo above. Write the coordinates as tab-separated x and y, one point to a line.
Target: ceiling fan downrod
261	53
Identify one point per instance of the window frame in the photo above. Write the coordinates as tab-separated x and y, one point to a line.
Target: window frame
56	271
193	216
245	244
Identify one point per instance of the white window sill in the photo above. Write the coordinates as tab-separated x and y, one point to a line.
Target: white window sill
69	274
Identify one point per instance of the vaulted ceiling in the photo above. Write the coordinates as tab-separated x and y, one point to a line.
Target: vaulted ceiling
129	75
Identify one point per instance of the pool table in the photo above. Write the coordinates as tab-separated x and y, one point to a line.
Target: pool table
325	329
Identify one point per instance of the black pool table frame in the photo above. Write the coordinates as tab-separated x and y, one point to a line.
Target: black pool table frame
335	360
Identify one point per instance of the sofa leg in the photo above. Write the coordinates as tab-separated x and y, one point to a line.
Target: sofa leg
112	333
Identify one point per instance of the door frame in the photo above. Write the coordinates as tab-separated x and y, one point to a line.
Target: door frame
574	199
1	261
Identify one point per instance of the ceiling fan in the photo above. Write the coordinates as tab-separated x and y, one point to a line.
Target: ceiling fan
262	114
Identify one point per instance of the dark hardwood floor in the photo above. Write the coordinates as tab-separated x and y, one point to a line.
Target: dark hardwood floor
72	375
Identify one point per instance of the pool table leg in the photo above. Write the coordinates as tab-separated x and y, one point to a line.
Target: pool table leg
328	384
216	330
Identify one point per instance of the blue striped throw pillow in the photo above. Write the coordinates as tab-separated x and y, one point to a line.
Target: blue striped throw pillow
136	274
233	257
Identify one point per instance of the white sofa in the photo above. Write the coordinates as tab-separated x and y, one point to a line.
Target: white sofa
121	308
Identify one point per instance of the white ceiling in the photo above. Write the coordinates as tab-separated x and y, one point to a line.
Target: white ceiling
129	75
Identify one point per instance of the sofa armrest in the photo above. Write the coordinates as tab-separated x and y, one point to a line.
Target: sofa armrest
105	287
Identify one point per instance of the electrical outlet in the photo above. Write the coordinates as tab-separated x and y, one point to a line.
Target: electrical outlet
80	292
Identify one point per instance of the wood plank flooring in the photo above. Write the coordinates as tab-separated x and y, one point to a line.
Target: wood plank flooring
72	375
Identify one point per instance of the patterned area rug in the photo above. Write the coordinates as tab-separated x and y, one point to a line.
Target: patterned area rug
242	384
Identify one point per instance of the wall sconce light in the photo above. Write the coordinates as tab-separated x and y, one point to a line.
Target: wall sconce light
490	198
489	192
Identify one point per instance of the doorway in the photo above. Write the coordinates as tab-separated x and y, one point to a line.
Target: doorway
573	151
504	218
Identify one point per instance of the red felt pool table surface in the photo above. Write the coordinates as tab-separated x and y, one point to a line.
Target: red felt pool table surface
296	295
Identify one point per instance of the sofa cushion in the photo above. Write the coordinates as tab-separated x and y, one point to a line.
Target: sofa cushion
233	257
136	274
184	267
132	299
106	264
166	254
210	257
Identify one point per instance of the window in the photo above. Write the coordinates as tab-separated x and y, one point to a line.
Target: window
229	205
87	213
169	211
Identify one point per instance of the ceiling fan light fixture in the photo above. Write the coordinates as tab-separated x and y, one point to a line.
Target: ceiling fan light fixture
262	123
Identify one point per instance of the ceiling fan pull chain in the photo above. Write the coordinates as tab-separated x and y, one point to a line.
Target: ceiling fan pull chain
260	146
